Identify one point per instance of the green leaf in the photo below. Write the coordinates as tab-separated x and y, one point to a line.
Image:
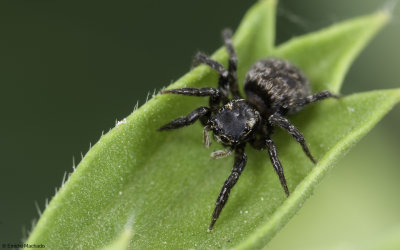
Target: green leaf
166	181
335	127
333	48
388	241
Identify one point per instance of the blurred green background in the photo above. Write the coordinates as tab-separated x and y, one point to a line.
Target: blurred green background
69	69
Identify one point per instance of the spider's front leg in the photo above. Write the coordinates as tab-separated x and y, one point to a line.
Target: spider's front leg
240	163
213	93
192	91
199	113
227	78
232	67
223	80
187	120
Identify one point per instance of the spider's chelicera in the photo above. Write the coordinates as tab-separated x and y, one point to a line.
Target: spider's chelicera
274	88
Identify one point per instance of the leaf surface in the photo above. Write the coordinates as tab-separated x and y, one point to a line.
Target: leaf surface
166	180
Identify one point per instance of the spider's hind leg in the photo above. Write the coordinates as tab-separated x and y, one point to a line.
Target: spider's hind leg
276	163
266	142
317	97
278	120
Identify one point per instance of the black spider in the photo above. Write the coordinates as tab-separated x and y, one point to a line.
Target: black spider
274	88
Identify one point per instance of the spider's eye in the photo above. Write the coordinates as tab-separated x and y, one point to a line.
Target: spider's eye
216	130
224	138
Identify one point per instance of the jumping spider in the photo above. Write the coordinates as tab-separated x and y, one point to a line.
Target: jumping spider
274	88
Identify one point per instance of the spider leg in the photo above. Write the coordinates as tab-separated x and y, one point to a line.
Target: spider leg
202	58
265	142
233	82
258	144
223	81
187	120
213	93
278	120
273	156
240	163
193	91
265	132
317	97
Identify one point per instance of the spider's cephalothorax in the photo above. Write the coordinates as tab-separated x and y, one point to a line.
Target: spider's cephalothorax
274	88
234	122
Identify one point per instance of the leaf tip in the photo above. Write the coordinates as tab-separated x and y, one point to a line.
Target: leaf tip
397	91
385	14
387	9
261	6
269	2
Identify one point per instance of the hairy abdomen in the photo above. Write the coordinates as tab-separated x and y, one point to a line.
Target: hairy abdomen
275	85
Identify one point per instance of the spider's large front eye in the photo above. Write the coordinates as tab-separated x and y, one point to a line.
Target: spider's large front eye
225	139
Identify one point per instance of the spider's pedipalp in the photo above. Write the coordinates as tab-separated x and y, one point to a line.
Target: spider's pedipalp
206	136
221	153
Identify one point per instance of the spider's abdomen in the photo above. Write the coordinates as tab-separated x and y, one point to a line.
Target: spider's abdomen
274	84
